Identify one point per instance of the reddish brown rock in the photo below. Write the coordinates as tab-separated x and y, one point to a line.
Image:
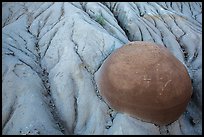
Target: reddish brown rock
145	81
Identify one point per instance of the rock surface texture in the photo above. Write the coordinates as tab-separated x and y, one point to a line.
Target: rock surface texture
52	51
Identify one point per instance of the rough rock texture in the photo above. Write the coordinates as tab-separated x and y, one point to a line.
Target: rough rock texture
51	52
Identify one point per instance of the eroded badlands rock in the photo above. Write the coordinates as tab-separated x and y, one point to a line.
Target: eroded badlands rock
51	52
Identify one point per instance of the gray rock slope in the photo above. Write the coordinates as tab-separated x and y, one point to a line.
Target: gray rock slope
52	51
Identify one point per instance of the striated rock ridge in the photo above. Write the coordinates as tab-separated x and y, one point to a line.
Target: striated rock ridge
51	52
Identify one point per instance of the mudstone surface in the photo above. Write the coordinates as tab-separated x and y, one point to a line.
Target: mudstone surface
51	52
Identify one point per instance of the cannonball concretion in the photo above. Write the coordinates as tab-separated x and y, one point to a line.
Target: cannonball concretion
145	81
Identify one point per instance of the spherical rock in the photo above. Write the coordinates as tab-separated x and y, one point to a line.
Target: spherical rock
145	81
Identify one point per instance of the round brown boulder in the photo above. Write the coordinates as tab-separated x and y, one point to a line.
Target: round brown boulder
145	81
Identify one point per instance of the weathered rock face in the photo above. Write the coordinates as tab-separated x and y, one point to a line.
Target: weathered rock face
145	81
51	52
